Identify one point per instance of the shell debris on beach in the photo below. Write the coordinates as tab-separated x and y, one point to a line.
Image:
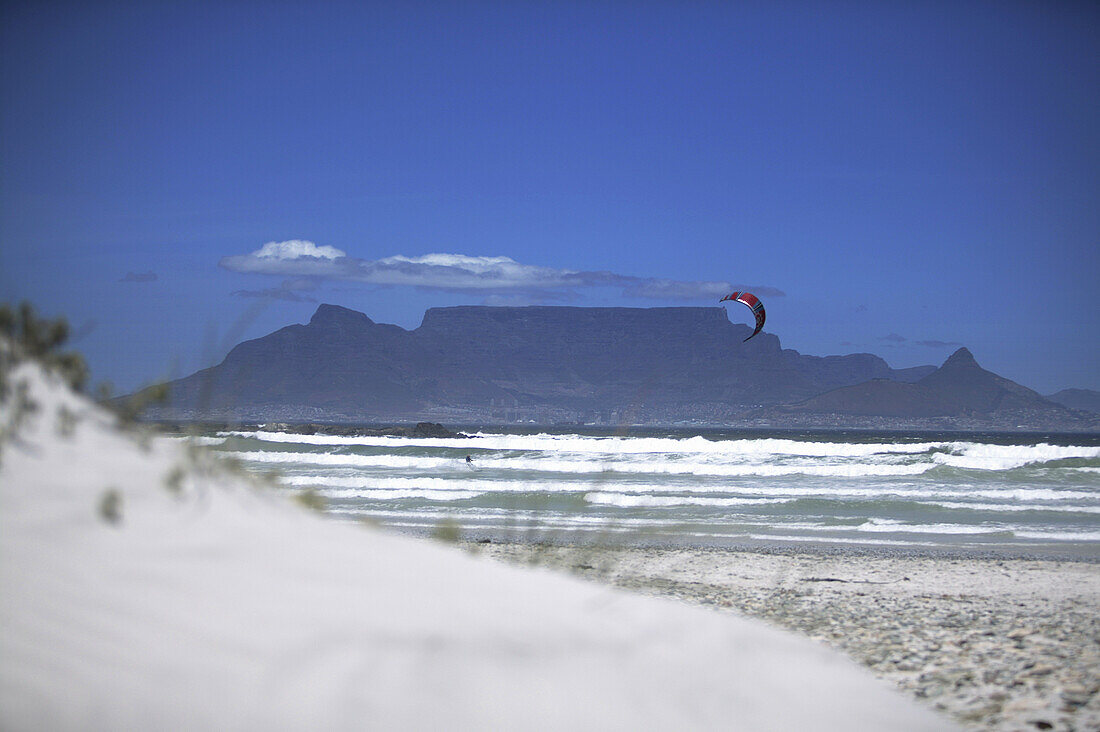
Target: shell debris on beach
997	643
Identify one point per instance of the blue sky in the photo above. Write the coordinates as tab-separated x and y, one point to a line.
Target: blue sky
897	178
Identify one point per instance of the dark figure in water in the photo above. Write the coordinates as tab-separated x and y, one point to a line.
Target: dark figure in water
469	459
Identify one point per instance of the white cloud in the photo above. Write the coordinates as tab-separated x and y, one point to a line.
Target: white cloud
293	258
499	276
294	249
455	260
461	272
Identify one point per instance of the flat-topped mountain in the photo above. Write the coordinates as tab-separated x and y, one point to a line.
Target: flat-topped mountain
545	364
603	365
960	388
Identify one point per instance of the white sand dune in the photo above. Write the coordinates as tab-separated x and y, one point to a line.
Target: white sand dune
220	605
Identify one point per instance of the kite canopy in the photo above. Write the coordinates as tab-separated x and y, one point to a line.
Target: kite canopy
753	303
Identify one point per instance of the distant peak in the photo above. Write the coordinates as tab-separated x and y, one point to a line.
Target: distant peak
335	314
961	357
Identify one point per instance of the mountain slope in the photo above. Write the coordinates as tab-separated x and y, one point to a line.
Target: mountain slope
959	388
1085	400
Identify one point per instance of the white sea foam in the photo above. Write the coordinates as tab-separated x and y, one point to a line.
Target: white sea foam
585	466
197	439
764	457
980	453
389	495
982	456
611	445
341	460
696	486
827	490
659	467
1060	535
698	445
626	500
871	532
448	484
856	470
835	540
893	526
1030	494
1014	507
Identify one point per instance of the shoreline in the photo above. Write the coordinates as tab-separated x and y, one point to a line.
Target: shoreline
1071	552
997	642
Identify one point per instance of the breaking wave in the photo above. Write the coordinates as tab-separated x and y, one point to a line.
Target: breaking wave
861	489
631	501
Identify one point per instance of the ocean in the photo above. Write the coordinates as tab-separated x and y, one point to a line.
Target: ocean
1034	493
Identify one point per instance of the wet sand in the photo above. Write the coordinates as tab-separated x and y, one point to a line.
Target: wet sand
996	642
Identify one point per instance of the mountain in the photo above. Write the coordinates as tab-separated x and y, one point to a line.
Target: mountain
960	389
547	364
1085	400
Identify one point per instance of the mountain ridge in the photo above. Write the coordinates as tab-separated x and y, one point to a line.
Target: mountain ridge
960	388
1083	400
544	364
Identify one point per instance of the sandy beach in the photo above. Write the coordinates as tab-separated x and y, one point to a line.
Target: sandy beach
1000	643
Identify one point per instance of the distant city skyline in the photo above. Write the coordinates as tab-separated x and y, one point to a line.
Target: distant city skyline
894	178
